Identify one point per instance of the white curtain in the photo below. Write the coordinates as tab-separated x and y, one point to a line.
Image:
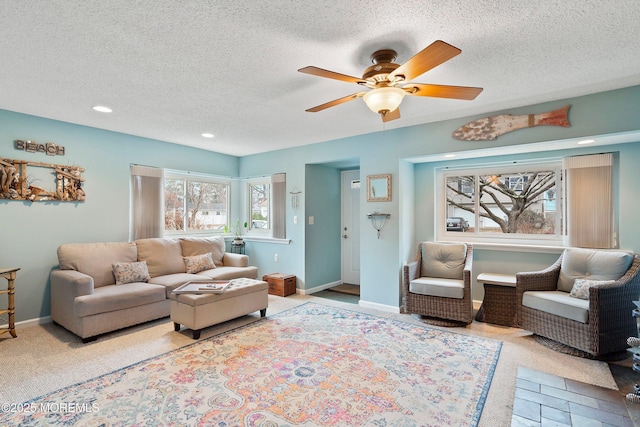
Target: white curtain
589	201
279	203
147	213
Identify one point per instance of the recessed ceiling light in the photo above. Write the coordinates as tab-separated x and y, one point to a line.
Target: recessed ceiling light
208	135
102	109
586	141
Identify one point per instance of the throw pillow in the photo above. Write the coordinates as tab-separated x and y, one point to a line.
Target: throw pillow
129	272
197	263
581	287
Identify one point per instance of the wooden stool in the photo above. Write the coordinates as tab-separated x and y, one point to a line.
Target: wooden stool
10	275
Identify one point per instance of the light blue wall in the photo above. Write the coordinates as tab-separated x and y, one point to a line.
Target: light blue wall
322	187
32	232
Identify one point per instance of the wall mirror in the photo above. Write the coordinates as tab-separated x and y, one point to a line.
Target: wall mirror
379	188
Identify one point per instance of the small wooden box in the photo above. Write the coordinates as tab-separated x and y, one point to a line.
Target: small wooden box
280	284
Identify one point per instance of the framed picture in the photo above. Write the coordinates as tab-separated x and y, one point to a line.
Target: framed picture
379	188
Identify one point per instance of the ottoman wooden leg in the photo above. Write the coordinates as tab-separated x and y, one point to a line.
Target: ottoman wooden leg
176	326
196	334
263	312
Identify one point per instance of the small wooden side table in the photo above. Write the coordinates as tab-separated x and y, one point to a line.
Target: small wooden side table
10	275
499	303
280	284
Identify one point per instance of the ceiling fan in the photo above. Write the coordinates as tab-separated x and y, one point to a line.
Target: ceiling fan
389	81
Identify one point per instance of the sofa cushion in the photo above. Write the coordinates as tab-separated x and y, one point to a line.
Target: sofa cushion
593	265
172	281
558	303
128	272
201	245
95	259
445	260
581	287
226	273
196	263
437	287
118	297
163	256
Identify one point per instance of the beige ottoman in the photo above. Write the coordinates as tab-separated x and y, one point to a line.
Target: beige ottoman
198	311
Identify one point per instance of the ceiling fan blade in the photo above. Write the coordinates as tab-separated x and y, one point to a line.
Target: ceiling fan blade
442	91
315	71
429	57
336	102
391	115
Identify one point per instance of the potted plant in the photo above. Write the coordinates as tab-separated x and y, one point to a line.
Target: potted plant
237	230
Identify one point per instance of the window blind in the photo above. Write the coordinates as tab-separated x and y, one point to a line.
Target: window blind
147	213
589	201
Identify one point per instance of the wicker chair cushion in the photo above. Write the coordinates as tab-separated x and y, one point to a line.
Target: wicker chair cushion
593	265
558	303
444	260
436	287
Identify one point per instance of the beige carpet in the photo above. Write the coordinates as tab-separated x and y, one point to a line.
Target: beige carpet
45	358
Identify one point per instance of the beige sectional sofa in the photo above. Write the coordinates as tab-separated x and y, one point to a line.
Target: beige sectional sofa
88	298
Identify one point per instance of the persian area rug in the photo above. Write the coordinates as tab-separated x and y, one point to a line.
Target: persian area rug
312	365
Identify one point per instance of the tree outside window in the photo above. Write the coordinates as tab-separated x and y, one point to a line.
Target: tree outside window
510	202
195	205
259	198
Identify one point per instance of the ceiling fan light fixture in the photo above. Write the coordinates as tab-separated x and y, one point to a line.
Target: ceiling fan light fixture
384	99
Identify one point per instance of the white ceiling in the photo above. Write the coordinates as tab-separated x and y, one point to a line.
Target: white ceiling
171	70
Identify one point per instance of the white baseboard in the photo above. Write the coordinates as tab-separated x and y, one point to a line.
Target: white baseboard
361	303
381	307
30	322
319	288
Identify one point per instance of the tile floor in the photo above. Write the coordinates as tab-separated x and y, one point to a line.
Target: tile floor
547	400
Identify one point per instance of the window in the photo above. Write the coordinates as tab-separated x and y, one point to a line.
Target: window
259	205
266	203
501	203
194	203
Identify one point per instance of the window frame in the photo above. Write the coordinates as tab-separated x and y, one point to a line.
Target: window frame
501	168
262	231
195	177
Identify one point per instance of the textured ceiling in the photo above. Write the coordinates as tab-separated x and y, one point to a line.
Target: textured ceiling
172	70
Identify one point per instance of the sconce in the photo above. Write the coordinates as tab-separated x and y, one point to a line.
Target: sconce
295	198
378	220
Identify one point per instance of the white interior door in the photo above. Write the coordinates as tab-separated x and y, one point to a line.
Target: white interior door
350	230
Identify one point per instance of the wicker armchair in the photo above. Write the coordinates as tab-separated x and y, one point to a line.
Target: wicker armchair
437	309
609	323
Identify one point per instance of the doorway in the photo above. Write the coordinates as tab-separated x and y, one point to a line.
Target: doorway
350	232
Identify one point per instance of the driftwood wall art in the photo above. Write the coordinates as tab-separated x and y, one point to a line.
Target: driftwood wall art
489	128
16	183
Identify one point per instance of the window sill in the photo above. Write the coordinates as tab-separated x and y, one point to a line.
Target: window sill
514	247
263	240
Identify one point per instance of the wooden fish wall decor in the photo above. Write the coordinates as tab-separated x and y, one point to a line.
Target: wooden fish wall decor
489	128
